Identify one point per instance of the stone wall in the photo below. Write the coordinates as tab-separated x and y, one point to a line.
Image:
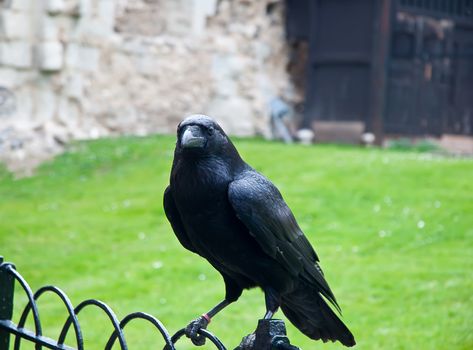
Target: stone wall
78	69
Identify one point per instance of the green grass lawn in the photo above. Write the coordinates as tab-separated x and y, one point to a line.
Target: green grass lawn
394	231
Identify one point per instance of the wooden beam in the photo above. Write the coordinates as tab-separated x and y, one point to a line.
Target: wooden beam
379	68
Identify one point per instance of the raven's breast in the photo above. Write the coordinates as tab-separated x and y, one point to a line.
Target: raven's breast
213	227
216	232
218	235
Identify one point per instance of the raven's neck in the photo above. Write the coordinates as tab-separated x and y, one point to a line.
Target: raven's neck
227	162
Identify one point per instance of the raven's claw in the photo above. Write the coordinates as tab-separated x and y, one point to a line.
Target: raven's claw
193	328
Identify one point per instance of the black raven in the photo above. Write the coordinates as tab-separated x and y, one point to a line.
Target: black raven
223	210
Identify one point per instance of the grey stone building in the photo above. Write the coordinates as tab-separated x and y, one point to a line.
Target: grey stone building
79	69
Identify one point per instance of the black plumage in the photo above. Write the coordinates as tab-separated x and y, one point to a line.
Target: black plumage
222	209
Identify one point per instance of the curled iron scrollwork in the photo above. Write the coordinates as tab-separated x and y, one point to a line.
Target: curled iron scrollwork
9	275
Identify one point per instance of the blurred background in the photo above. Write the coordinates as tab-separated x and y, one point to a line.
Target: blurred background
348	71
91	92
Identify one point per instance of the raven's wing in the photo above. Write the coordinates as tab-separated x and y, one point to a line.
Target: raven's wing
175	219
261	208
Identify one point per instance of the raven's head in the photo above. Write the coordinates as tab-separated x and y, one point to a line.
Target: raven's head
200	134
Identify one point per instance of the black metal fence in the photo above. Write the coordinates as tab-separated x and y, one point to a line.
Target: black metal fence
13	334
270	334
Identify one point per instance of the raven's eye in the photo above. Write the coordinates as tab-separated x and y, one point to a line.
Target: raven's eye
210	130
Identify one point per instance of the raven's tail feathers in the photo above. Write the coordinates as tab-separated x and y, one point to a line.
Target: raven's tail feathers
309	312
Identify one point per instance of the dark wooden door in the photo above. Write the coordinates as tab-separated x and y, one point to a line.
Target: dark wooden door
419	75
341	37
460	119
430	73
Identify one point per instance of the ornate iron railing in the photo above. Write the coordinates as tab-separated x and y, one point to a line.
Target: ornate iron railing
269	335
8	276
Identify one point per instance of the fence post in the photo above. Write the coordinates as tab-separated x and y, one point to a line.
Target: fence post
269	335
7	285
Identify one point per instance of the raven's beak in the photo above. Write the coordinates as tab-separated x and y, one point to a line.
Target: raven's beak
192	138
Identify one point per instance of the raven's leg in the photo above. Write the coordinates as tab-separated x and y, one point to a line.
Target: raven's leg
273	300
217	308
202	322
232	293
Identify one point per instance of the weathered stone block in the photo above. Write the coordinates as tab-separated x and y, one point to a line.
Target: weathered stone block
94	30
201	10
148	65
74	86
106	12
85	7
22	5
16	25
46	102
82	57
55	7
49	29
12	78
16	54
234	114
68	112
24	105
8	77
123	62
50	56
